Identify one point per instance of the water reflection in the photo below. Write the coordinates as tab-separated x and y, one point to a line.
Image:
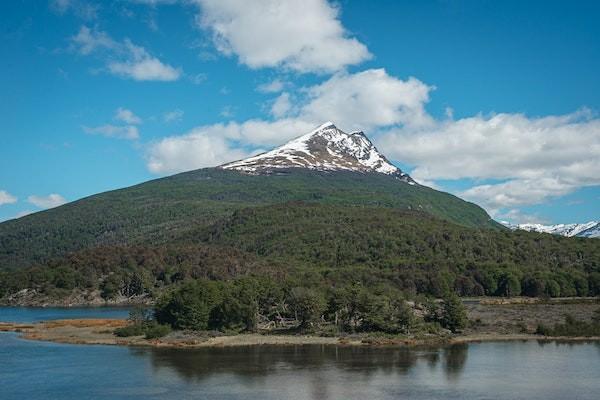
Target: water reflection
254	362
455	358
502	371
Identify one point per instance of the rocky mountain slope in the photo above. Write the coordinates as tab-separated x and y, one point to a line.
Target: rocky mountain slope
326	148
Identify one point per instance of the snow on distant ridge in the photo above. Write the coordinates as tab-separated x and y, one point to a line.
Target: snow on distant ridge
326	148
590	229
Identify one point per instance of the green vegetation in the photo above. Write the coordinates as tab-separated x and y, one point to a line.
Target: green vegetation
454	315
347	247
573	327
168	210
247	304
141	322
326	246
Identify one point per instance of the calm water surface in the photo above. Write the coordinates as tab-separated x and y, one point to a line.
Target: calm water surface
510	370
37	314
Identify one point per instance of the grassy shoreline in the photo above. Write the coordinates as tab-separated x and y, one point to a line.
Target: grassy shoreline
490	319
100	332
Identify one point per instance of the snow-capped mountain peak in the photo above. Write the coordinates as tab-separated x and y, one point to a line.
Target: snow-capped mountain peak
326	148
590	229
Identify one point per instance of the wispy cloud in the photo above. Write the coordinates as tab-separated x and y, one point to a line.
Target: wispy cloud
274	86
7	198
82	9
23	213
199	79
227	112
127	116
172	116
124	58
50	201
128	132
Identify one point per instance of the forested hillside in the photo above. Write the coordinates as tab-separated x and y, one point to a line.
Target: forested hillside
323	246
169	209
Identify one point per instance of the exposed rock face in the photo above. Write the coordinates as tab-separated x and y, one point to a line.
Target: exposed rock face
327	148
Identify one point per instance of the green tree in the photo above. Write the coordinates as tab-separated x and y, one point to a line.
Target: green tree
238	309
188	307
308	305
344	306
454	314
509	285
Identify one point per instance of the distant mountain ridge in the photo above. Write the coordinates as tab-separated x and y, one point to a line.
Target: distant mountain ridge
327	148
590	229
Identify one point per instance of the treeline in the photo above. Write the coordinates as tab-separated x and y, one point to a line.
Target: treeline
119	271
418	252
249	304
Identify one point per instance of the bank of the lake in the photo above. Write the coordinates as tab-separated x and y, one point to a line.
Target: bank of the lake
101	332
489	320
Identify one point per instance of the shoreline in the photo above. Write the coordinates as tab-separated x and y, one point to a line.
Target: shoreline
100	332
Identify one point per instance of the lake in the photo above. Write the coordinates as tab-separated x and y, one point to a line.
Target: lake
502	370
37	314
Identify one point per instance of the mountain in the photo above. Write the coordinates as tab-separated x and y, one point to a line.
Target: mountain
327	148
590	229
322	211
326	166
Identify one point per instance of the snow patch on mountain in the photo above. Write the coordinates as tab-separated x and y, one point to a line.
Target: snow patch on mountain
590	229
326	148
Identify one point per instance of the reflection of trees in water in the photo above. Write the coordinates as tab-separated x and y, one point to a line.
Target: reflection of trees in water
256	362
455	358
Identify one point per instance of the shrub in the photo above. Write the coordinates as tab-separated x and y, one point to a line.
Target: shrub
543	330
155	330
130	330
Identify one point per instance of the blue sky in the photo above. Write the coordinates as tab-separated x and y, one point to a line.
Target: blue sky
494	101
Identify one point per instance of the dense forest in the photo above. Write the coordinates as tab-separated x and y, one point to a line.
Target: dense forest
324	247
167	210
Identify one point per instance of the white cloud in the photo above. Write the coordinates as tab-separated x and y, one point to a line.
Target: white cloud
515	216
124	59
535	158
172	116
196	149
7	198
517	192
281	106
274	86
521	160
367	100
127	116
300	35
50	201
128	132
87	41
347	99
141	66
